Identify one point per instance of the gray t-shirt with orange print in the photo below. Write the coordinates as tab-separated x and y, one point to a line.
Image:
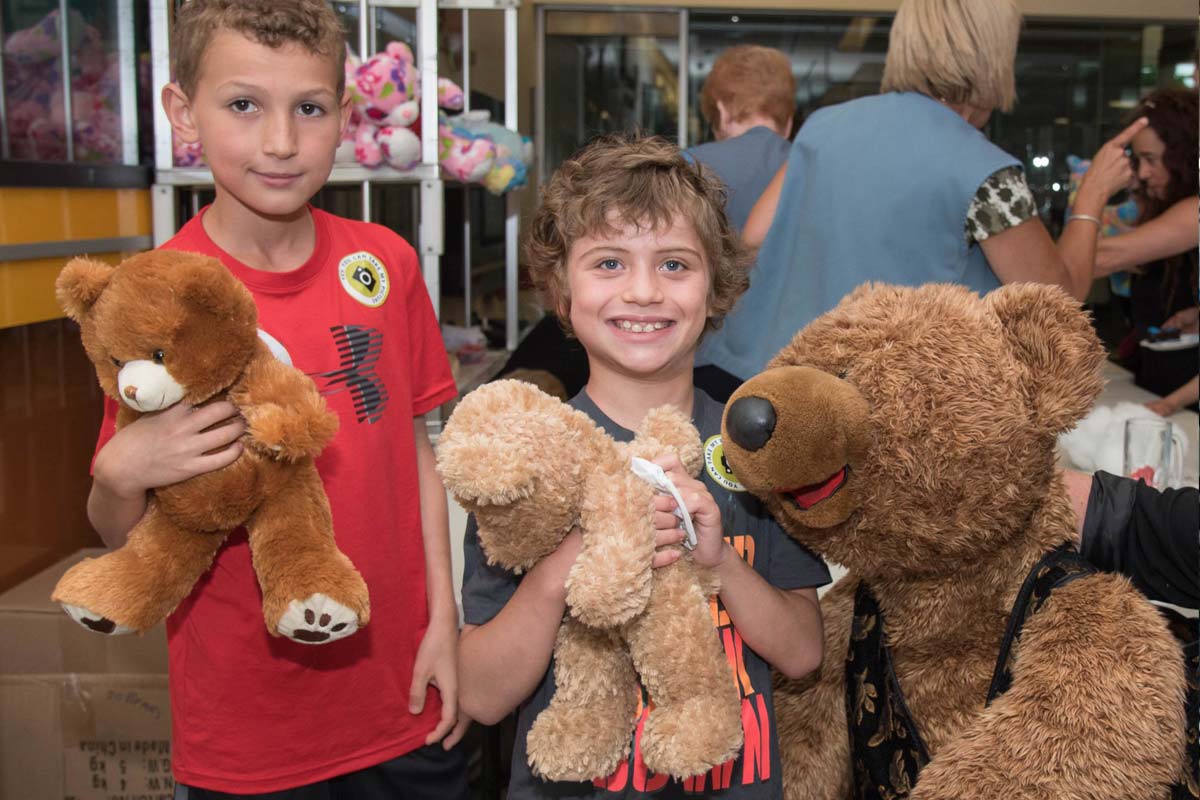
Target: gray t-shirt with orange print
783	562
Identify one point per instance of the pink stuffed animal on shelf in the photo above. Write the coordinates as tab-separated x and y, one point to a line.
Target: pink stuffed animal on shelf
386	95
386	87
450	95
384	124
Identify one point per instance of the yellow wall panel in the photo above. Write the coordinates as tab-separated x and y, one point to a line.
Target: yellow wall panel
30	215
27	289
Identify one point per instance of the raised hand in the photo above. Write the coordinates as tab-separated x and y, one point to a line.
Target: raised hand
1111	169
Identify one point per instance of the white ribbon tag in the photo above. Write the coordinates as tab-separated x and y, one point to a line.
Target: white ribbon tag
654	475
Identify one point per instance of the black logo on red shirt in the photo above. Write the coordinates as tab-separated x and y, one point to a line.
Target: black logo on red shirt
358	350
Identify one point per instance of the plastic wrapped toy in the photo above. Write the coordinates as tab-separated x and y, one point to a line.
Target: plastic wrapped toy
464	157
513	152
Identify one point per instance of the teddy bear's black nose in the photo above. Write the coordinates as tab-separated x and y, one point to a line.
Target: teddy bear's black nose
751	421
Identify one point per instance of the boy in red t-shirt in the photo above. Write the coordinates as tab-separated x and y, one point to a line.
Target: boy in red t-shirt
260	86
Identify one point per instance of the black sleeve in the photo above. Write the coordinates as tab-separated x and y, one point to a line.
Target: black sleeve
1152	537
486	588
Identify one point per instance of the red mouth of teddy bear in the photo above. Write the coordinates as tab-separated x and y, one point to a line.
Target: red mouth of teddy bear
808	496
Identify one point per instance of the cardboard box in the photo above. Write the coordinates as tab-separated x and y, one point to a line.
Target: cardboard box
37	637
82	716
85	737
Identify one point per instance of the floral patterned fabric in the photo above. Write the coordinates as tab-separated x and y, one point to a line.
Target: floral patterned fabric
1002	202
887	752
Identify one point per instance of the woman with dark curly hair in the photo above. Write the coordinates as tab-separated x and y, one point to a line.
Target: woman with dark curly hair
1161	250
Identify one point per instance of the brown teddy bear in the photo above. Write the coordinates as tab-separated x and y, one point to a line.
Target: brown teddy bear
531	468
166	327
909	435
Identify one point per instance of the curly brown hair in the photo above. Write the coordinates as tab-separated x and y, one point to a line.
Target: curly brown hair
633	181
1174	115
311	24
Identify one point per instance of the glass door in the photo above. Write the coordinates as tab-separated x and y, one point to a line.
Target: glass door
606	72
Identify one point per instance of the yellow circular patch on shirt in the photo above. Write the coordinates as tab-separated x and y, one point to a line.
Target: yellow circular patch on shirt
718	467
364	278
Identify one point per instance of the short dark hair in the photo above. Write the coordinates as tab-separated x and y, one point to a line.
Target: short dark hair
312	24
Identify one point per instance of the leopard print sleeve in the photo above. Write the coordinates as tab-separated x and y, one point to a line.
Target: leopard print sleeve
1003	201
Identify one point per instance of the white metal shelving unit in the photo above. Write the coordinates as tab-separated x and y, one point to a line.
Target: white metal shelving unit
426	175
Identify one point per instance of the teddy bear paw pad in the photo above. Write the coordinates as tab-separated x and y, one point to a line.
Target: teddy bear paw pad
95	622
317	619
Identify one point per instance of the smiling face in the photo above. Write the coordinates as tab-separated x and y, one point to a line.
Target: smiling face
638	298
269	118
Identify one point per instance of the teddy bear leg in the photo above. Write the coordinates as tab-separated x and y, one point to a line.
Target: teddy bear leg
609	583
586	730
133	588
311	592
696	722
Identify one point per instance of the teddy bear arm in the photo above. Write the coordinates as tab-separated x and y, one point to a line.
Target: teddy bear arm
665	429
610	581
518	535
1095	708
286	416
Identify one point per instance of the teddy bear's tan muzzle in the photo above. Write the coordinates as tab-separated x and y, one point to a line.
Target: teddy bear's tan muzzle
799	433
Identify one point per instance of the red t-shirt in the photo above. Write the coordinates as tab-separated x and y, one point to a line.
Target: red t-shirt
257	713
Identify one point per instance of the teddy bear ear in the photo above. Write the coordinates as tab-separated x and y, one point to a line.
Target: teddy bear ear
208	287
80	284
1052	337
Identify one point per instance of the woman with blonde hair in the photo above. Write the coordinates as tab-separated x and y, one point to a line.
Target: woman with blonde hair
902	187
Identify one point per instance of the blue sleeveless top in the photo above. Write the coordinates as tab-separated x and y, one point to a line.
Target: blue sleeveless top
877	189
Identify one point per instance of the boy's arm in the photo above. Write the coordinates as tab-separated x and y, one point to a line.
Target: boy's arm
157	450
502	661
763	214
782	626
436	657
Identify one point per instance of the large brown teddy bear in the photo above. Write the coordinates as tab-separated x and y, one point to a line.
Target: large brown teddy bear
531	468
909	435
166	327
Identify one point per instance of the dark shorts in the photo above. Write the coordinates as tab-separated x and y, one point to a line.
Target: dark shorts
429	773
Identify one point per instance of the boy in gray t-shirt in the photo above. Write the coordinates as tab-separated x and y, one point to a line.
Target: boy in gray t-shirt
635	255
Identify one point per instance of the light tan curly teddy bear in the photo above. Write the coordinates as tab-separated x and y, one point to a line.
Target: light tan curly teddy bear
531	468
